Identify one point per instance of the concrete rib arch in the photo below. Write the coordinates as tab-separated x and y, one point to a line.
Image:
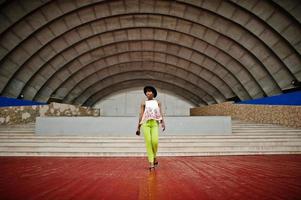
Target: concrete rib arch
287	62
110	71
232	73
138	74
187	4
120	47
180	92
231	63
92	77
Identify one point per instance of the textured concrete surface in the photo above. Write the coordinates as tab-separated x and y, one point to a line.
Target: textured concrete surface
28	114
246	139
284	115
127	126
127	103
224	49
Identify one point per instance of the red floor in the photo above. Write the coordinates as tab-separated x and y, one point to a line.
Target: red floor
221	177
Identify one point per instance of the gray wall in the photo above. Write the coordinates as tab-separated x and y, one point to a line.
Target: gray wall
127	103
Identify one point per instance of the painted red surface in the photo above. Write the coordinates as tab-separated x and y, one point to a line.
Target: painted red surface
220	177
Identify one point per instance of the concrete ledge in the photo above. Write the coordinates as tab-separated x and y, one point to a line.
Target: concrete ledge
270	114
126	126
27	114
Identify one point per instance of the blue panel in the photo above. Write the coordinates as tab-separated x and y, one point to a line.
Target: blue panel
293	99
5	101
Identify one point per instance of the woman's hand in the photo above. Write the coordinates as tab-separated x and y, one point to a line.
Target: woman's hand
138	128
163	125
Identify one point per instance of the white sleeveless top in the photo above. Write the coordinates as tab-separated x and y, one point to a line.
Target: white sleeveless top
151	111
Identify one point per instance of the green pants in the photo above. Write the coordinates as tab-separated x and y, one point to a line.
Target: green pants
151	134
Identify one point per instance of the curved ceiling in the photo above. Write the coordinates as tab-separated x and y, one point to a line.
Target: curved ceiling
206	51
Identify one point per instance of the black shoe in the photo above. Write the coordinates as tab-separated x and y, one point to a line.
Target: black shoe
151	167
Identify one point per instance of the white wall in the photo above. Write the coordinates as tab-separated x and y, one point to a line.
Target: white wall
127	103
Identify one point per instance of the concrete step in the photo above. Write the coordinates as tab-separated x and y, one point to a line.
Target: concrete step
90	144
125	151
142	148
247	139
30	135
5	128
16	134
18	126
260	126
143	154
234	127
266	130
17	131
254	123
263	128
163	139
233	131
133	138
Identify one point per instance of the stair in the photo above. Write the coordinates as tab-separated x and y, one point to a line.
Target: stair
246	139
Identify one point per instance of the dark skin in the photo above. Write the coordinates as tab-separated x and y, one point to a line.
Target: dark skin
150	96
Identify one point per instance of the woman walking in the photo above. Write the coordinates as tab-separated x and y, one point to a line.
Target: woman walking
149	119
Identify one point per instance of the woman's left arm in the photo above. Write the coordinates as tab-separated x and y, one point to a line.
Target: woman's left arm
162	121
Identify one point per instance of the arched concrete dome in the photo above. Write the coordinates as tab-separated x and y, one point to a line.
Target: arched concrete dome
206	50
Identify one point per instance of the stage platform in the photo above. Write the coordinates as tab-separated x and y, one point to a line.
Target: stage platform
176	178
127	126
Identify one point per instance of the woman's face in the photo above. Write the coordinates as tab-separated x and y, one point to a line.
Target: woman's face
149	94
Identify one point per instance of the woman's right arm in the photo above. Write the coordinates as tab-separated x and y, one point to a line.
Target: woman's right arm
142	106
